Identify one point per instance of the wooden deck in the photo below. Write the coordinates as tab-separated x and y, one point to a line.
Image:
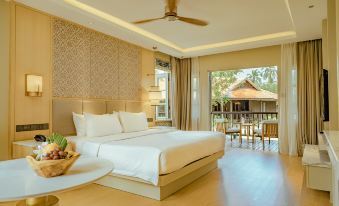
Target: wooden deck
272	147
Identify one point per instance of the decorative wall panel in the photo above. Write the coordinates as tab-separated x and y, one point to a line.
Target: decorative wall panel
71	60
104	66
94	65
129	71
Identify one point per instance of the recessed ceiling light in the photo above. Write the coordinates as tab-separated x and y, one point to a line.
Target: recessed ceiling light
310	6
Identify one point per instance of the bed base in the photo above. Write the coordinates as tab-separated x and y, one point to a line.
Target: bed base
168	184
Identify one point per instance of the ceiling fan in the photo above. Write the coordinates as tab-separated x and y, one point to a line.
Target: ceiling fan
171	15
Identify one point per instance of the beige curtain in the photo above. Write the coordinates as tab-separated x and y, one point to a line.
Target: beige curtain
182	69
309	64
288	104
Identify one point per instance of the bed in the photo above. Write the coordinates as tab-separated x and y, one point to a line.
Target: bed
153	163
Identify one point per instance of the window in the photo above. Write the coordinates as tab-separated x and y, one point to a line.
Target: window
162	79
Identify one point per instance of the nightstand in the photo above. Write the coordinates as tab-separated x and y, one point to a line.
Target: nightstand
23	148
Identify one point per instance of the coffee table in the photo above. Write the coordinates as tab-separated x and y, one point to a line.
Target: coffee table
247	127
19	182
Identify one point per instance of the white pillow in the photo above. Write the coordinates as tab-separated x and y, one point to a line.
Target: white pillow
80	124
133	122
102	125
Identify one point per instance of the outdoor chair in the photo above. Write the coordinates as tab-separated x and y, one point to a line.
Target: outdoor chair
220	125
269	129
232	128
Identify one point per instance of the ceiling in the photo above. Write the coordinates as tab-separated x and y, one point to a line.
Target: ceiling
233	24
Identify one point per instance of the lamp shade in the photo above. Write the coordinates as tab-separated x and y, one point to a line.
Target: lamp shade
33	85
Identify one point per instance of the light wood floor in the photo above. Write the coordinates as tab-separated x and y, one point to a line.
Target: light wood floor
244	178
273	146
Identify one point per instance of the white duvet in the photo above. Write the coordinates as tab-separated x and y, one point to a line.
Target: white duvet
148	154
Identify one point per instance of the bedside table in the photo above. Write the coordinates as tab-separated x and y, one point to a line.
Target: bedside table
23	148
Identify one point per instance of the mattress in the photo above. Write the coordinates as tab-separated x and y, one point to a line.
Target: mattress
153	152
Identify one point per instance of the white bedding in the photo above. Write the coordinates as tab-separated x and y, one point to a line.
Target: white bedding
150	153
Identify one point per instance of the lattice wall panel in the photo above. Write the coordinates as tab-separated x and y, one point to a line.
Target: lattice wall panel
71	60
93	65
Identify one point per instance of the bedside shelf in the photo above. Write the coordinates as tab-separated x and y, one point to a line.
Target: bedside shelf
22	149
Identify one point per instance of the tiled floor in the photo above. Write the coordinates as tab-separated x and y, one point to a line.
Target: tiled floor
273	146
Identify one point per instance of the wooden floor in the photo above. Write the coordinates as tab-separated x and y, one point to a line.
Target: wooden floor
273	146
244	178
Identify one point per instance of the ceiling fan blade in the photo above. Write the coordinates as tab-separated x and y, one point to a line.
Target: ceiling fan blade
172	5
147	20
192	21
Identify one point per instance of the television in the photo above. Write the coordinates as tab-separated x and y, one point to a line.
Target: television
326	113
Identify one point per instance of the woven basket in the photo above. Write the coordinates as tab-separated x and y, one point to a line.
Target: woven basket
52	168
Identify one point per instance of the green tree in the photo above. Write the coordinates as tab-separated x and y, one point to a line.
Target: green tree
255	76
270	74
220	81
272	87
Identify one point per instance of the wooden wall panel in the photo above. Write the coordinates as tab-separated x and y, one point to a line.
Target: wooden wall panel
84	63
32	56
4	81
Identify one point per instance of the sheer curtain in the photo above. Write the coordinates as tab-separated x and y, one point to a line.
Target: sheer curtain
195	94
288	105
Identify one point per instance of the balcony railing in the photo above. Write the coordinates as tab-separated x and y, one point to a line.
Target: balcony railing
248	117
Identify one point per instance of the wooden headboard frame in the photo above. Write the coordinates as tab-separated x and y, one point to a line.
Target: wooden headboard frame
62	119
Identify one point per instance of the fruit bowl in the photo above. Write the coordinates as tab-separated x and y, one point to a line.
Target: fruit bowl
52	168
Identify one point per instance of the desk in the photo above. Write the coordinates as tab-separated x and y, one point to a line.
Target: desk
332	140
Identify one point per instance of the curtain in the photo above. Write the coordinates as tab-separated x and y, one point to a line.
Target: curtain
182	71
309	64
173	90
288	106
195	94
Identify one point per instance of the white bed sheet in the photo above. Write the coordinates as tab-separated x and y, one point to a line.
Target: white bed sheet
150	153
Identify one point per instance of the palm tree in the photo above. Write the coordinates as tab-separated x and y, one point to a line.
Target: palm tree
255	76
270	74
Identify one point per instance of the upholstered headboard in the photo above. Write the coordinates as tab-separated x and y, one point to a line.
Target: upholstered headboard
63	108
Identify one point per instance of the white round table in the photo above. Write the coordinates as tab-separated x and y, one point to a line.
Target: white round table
19	182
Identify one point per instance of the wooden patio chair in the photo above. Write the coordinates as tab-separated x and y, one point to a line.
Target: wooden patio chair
268	128
220	125
232	128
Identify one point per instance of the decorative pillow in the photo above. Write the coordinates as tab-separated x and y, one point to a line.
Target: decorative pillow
133	122
102	125
80	124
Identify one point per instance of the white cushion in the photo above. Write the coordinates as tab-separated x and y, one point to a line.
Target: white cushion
80	124
102	125
271	121
233	129
133	122
258	131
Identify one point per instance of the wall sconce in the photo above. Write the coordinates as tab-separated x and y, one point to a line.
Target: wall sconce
154	95
33	85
